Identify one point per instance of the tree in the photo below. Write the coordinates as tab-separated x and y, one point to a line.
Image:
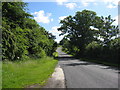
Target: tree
90	36
78	28
15	12
22	36
106	31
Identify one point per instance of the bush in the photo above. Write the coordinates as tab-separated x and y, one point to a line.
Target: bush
108	53
55	54
93	50
39	52
114	49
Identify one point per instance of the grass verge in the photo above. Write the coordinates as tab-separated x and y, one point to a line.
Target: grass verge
99	62
24	73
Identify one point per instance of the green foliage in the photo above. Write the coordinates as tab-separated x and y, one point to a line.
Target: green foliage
65	43
115	44
15	12
81	40
110	54
55	54
8	43
93	50
22	36
114	49
20	74
39	52
78	28
106	30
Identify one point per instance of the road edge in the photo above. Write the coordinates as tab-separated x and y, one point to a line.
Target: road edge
57	79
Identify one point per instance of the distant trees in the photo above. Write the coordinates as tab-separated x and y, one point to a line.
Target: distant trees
22	37
89	35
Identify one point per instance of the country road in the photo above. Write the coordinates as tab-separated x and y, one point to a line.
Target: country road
81	74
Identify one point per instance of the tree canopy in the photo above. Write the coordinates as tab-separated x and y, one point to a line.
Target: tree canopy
88	35
22	37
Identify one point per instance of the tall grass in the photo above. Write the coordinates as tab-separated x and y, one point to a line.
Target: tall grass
27	72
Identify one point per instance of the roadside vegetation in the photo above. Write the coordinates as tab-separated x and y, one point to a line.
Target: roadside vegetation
22	36
26	48
55	54
90	36
22	74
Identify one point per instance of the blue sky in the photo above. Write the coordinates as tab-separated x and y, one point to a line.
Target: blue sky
48	14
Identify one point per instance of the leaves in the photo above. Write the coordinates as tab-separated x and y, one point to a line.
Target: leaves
78	29
22	36
89	35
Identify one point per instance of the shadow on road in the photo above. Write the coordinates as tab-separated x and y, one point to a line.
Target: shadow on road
66	57
63	54
68	60
76	64
111	67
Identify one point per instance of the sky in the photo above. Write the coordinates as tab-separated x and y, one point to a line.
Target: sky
49	13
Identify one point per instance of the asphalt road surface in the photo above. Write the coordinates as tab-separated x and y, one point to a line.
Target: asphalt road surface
82	74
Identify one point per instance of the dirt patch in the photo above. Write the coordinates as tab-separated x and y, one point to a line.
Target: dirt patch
57	79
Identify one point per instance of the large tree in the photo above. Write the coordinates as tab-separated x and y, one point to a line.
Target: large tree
90	36
78	28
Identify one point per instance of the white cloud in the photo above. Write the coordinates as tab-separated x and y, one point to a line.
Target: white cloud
41	17
85	3
60	2
71	5
62	17
59	38
55	32
105	1
68	5
95	4
51	19
111	3
111	6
